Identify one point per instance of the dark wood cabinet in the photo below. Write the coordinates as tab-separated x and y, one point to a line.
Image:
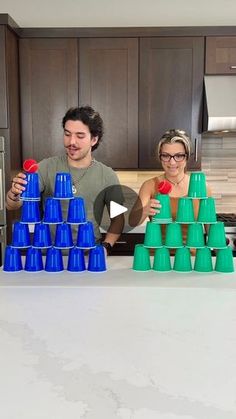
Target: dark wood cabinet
141	87
3	81
170	94
10	110
220	55
9	101
49	86
108	81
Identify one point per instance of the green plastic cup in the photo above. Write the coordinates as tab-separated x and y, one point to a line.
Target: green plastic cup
153	236
173	237
185	212
197	185
203	260
224	260
207	211
216	236
161	261
164	216
141	261
182	261
195	236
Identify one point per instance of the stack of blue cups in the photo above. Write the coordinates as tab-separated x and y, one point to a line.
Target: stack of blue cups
76	215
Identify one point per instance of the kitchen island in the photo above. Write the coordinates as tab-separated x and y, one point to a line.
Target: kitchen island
117	345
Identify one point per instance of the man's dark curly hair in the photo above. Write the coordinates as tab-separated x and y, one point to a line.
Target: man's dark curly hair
89	117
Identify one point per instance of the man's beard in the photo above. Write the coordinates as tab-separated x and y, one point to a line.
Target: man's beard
78	157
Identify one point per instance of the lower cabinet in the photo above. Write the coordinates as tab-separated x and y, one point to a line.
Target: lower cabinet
126	244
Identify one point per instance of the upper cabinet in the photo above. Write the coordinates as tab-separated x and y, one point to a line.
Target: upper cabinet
140	86
49	86
141	93
108	81
221	55
170	94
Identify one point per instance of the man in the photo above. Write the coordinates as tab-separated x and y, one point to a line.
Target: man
83	131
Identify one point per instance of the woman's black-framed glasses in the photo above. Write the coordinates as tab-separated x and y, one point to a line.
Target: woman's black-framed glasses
178	157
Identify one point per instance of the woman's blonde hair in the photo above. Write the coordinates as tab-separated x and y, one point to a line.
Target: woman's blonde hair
174	136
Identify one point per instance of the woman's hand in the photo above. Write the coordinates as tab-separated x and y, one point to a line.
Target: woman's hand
152	208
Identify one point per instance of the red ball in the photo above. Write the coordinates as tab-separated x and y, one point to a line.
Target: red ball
30	166
164	187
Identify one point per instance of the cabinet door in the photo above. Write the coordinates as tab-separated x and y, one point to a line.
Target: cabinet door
108	81
49	86
3	89
170	94
221	55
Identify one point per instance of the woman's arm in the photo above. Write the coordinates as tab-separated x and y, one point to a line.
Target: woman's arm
145	205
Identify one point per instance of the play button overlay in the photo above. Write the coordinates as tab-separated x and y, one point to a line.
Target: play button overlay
116	209
120	200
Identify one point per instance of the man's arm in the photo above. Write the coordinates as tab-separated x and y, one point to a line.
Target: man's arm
13	195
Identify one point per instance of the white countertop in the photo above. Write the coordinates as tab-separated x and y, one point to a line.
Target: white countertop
117	345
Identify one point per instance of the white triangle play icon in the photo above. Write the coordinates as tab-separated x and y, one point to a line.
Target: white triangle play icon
116	209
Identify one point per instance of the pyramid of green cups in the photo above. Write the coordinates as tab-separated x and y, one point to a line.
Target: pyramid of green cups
42	240
203	244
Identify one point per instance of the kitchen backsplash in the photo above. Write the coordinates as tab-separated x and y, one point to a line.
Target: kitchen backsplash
218	163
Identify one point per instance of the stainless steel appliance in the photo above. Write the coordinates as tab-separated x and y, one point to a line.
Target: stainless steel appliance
2	201
229	221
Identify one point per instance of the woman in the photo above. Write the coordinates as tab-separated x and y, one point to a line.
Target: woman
173	150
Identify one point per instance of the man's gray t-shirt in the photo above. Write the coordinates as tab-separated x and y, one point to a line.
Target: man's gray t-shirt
88	183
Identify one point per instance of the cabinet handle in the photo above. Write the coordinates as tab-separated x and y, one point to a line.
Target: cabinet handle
232	67
195	149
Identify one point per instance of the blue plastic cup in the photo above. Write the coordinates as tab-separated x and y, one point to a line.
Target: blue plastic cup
63	186
76	262
76	211
42	236
97	259
63	238
12	260
52	211
85	236
30	213
33	260
31	192
54	261
20	235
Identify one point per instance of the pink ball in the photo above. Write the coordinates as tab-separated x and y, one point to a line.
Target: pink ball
30	166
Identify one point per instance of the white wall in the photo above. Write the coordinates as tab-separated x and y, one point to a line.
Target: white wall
118	13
